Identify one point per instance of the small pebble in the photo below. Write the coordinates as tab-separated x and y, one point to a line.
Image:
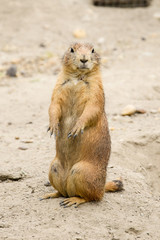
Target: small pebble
47	184
16	138
79	33
157	15
101	40
22	148
128	110
42	45
141	111
12	71
27	141
150	166
153	111
29	122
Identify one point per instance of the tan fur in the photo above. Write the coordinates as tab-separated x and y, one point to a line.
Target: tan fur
78	120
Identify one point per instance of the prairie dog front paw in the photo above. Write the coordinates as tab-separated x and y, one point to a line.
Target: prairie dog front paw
53	128
78	128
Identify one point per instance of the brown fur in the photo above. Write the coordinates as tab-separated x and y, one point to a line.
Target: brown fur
78	120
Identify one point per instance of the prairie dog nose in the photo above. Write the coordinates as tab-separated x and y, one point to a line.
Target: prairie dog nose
83	60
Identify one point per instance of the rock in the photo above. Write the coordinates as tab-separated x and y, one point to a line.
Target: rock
16	138
128	110
143	38
133	230
42	45
154	111
22	148
141	111
12	71
29	123
14	176
79	33
46	26
101	41
3	225
157	15
47	184
27	141
33	190
149	166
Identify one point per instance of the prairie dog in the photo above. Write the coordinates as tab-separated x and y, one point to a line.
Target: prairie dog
77	118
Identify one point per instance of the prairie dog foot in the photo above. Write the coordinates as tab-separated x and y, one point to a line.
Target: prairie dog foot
114	186
72	201
51	195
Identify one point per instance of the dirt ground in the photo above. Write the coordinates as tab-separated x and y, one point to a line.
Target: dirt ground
34	36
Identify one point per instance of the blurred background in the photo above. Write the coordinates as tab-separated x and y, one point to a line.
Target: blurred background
34	36
34	33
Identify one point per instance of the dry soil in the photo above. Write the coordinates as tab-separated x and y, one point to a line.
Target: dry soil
34	36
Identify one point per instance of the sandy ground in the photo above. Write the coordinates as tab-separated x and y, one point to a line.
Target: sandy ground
34	35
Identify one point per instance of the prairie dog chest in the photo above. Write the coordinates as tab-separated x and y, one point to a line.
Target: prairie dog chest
77	81
74	85
76	92
74	81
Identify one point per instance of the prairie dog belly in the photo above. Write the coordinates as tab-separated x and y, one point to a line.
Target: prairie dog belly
73	106
72	109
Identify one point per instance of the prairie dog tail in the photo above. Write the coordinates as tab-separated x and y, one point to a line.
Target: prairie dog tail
114	186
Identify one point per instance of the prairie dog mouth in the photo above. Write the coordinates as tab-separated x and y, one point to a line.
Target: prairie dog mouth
83	67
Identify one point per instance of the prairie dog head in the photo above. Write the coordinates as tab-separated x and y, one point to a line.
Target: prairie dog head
81	57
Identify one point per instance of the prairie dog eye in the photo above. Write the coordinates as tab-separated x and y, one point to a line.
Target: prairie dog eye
72	50
93	50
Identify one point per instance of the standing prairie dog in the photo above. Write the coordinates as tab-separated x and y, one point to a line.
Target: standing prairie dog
78	120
